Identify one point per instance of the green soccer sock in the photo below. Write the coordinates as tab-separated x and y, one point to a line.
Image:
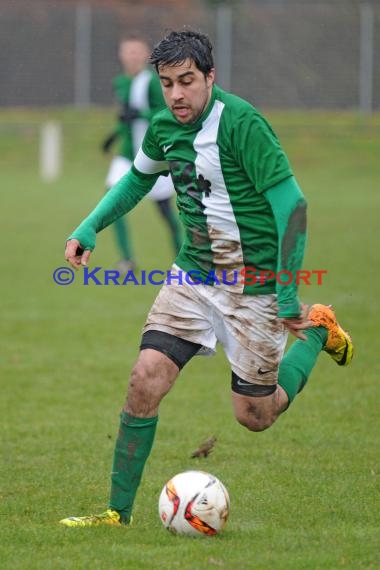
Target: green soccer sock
299	360
121	229
133	446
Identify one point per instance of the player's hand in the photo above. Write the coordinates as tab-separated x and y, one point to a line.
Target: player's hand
75	254
108	142
296	325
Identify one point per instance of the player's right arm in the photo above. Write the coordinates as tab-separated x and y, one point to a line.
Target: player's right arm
120	200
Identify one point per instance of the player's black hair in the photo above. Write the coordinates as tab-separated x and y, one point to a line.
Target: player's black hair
176	47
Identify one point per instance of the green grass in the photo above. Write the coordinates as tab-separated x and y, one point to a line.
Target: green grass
304	493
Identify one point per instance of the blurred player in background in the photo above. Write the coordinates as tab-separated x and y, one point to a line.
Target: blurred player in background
139	94
242	209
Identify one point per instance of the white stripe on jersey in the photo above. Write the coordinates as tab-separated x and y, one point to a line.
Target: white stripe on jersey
148	166
223	230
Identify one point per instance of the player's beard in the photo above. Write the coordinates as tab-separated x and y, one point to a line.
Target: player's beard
190	114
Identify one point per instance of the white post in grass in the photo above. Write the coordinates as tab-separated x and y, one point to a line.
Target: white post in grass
50	151
367	25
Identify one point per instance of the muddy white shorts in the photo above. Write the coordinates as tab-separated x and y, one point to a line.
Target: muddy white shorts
162	190
246	326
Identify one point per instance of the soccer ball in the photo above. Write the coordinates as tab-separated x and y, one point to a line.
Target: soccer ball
195	503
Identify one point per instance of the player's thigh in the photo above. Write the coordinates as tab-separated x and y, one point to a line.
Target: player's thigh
181	311
253	339
254	342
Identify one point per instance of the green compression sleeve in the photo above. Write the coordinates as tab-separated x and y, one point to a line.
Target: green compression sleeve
289	209
118	201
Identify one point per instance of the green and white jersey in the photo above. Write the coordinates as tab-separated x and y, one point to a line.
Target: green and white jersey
142	92
220	167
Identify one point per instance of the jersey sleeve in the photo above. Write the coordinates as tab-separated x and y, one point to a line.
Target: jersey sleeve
258	151
151	159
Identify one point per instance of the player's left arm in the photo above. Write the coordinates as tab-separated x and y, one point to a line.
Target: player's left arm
259	151
289	206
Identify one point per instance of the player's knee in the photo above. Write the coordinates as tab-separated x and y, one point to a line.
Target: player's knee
256	410
140	398
139	390
258	421
151	379
140	376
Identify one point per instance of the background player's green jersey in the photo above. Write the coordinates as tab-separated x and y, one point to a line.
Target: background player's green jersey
142	92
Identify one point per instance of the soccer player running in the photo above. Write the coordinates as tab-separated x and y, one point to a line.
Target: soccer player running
138	91
242	208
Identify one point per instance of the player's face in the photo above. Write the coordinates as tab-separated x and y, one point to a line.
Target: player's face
186	90
133	55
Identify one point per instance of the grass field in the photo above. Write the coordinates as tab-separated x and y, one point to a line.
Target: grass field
304	494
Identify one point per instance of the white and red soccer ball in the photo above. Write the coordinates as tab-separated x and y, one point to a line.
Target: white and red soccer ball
195	503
